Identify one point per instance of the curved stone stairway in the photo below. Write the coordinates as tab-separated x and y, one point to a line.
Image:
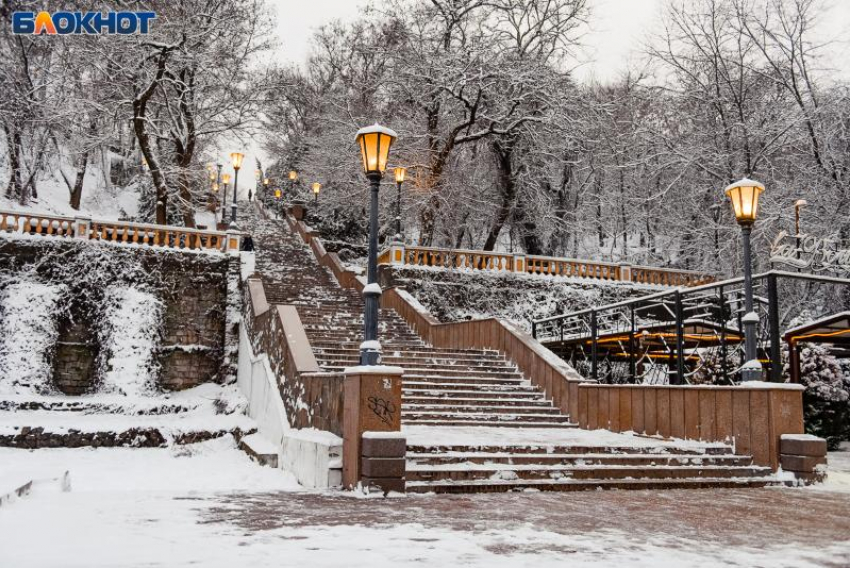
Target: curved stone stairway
446	391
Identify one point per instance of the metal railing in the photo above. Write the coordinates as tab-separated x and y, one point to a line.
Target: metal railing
691	335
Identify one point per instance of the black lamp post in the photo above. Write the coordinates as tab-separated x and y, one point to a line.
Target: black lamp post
225	179
236	158
293	177
399	179
799	204
745	202
374	142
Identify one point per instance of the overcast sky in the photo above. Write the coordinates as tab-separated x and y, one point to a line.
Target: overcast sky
617	30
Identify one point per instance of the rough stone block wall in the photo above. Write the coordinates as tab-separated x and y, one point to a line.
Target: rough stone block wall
193	287
75	358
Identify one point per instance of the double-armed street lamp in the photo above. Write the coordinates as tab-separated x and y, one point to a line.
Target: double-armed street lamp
375	142
745	202
225	179
236	158
317	187
399	179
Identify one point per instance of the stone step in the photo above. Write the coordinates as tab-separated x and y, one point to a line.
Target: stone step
504	424
447	383
427	364
450	396
462	400
496	417
509	472
542	407
490	486
574	459
449	391
420	373
478	354
537	450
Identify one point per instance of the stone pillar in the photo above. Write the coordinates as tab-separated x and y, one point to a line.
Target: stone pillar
519	263
298	210
396	252
626	272
82	227
372	403
234	241
803	455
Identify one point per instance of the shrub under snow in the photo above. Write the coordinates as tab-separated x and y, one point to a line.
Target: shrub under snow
130	332
28	332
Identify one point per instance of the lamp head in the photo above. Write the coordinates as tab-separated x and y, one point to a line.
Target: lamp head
236	158
293	175
744	195
375	142
317	187
225	178
399	174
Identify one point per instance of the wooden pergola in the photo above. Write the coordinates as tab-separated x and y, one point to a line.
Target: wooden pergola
834	330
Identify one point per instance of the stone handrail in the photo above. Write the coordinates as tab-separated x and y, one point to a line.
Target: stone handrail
555	377
751	417
403	255
312	398
158	236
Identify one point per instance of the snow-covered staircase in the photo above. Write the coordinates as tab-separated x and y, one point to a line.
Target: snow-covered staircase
457	403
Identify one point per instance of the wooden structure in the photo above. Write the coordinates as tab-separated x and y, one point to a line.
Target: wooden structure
834	329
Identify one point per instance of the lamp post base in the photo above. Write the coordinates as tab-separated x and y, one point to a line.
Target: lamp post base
752	371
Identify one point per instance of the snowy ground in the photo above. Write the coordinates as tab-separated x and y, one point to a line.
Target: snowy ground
209	505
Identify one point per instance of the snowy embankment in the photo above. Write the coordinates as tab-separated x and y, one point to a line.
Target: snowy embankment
461	294
27	313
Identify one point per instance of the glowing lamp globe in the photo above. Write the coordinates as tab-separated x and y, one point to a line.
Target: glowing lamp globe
225	178
266	181
375	142
293	175
399	174
317	187
277	194
237	158
744	195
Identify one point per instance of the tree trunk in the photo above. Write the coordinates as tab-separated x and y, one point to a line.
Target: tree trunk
77	191
507	190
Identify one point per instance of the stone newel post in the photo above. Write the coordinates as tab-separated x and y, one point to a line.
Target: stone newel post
373	448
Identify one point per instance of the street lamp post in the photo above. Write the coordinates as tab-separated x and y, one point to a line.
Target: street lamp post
399	179
745	200
236	159
225	179
799	204
293	177
715	212
375	142
317	187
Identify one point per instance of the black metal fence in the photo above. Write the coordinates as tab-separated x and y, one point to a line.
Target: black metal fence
690	335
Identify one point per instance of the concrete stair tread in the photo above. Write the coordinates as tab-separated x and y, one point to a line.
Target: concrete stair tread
488	485
503	423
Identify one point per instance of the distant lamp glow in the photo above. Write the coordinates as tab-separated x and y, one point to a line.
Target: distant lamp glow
277	194
225	178
399	174
375	142
212	175
237	158
317	187
215	187
258	174
745	200
293	175
266	181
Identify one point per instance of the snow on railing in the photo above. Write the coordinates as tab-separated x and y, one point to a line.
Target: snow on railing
403	255
158	236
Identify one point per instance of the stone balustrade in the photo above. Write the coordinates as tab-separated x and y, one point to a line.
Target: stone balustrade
403	255
123	232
